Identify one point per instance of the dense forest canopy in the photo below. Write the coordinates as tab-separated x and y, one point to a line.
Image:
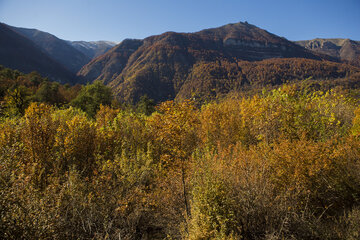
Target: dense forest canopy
281	163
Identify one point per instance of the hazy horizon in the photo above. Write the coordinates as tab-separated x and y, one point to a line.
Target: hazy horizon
110	20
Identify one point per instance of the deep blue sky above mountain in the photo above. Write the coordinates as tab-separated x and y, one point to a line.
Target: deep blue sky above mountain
115	20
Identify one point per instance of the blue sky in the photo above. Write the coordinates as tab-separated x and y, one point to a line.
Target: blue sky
116	20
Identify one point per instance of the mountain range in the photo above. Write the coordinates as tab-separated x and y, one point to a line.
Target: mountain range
70	55
343	49
19	52
182	65
210	62
56	48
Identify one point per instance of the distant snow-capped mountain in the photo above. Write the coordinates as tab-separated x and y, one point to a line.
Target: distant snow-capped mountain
92	49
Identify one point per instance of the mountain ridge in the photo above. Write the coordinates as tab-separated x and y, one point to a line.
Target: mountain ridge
56	48
161	64
179	65
18	52
342	48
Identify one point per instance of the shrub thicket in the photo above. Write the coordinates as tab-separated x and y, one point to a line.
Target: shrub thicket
283	164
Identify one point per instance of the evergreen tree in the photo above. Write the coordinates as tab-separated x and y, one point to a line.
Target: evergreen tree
91	96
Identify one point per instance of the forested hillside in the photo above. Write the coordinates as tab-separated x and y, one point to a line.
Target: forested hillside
163	66
58	49
18	52
217	79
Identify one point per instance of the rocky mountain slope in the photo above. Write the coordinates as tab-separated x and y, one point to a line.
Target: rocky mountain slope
18	52
108	66
56	48
343	49
92	49
165	65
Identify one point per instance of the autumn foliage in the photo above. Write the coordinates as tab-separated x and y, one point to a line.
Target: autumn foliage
281	164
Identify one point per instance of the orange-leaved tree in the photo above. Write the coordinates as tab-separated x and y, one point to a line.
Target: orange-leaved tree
174	128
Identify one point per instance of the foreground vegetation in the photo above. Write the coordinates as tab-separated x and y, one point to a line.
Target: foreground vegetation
281	164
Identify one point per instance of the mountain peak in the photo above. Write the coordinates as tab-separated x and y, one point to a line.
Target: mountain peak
161	65
240	31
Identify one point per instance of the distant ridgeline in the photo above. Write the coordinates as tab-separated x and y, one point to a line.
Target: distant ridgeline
201	65
344	49
32	50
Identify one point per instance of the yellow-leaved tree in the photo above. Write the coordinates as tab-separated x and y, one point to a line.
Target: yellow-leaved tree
39	139
174	128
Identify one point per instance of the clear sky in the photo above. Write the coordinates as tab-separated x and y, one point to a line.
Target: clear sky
116	20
